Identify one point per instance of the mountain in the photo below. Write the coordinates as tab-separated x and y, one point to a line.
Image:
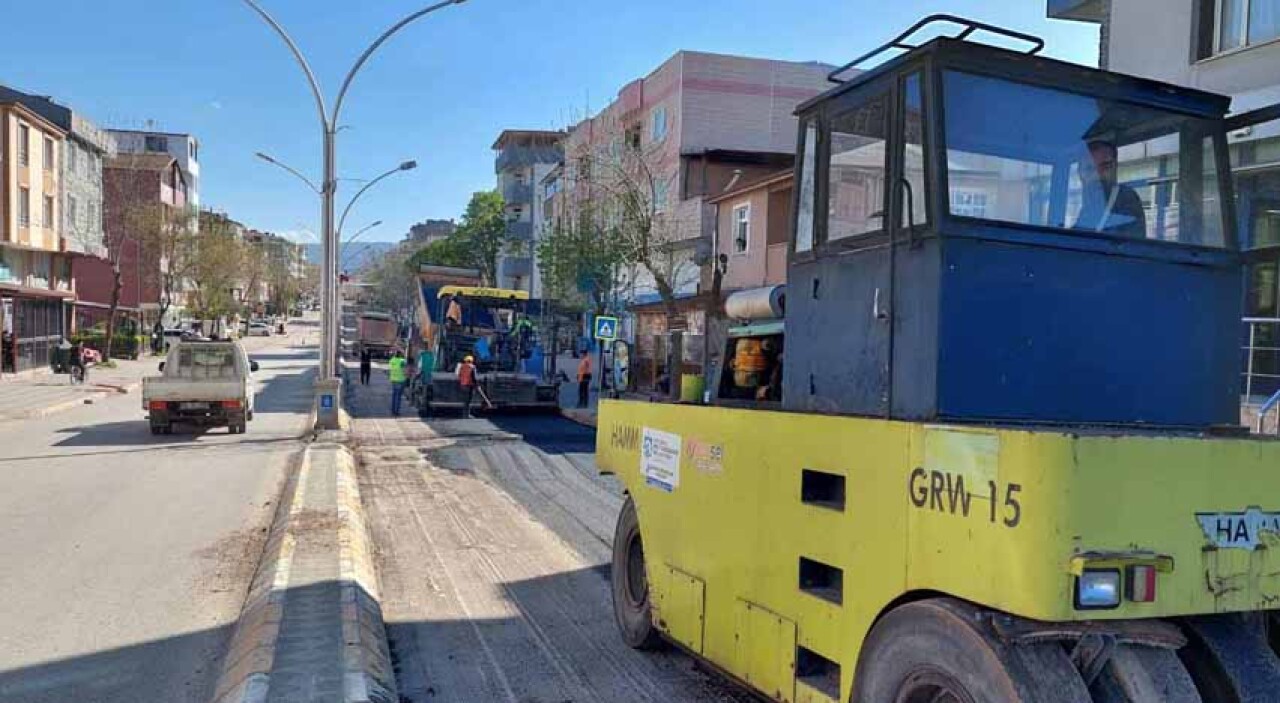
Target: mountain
353	256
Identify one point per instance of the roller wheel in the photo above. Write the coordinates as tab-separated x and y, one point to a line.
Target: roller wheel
631	606
1230	659
940	651
1144	675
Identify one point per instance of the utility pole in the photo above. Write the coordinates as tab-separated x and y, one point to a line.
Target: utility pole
328	386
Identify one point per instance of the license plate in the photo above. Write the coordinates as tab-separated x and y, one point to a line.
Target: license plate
1241	530
194	406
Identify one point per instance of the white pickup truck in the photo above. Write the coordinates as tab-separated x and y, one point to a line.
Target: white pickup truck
203	383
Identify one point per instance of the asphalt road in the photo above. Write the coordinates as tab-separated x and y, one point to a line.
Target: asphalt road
126	557
493	539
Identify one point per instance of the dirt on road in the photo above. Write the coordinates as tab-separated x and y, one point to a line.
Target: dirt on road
493	559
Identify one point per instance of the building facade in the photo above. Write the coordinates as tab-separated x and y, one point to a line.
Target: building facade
430	231
184	148
132	183
1230	47
700	123
35	274
753	228
522	159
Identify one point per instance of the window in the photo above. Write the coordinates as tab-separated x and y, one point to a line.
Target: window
913	155
24	145
71	212
24	207
804	212
1036	156
659	124
856	171
661	193
1243	23
741	228
968	203
48	154
157	144
94	224
48	212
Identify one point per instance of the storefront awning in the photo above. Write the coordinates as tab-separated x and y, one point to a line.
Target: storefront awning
26	291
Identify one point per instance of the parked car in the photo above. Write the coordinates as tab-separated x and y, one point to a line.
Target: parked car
259	329
202	383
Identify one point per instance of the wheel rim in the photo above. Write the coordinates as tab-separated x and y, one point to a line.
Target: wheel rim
932	687
637	585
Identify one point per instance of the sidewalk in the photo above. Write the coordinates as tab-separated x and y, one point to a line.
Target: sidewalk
45	394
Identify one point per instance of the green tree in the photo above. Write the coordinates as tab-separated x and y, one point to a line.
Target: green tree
580	261
484	233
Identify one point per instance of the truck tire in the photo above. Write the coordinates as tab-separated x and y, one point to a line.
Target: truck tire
1139	674
1230	659
941	650
631	606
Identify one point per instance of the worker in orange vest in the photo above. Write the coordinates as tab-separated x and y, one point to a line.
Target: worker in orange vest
584	380
467	380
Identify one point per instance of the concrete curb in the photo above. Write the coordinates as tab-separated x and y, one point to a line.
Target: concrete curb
97	390
311	627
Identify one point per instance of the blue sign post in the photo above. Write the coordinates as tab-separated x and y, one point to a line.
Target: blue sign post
606	328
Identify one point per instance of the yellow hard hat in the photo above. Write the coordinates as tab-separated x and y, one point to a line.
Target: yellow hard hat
469	359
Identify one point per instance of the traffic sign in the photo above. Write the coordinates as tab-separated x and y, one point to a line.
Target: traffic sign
606	328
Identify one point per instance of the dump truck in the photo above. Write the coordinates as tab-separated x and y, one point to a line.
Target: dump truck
997	457
376	332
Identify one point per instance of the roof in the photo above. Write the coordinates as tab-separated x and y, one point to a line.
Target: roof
764	182
141	162
32	115
508	134
152	131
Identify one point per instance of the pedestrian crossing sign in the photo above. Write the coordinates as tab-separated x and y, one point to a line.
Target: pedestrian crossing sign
606	328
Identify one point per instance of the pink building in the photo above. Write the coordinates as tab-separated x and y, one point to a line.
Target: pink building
704	123
753	228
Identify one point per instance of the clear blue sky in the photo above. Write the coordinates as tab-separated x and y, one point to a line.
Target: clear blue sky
440	92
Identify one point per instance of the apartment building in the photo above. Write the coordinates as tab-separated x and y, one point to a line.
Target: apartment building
1231	47
35	275
522	159
131	184
702	123
184	148
80	168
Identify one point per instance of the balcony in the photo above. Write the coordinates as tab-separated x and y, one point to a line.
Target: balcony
524	156
1080	10
521	231
517	193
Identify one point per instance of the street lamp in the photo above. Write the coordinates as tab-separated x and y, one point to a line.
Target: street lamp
327	388
290	169
404	166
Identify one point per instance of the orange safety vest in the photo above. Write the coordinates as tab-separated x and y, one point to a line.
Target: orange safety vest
467	374
584	368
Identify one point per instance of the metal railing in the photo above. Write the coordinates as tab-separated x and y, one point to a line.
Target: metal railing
1261	356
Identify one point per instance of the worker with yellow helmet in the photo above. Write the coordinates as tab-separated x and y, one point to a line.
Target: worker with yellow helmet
467	380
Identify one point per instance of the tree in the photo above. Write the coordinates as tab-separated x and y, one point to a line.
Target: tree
484	232
633	190
393	279
218	269
169	244
480	239
581	261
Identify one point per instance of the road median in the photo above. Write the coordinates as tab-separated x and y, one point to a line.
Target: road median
311	627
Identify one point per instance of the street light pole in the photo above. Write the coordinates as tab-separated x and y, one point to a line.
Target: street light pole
327	402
